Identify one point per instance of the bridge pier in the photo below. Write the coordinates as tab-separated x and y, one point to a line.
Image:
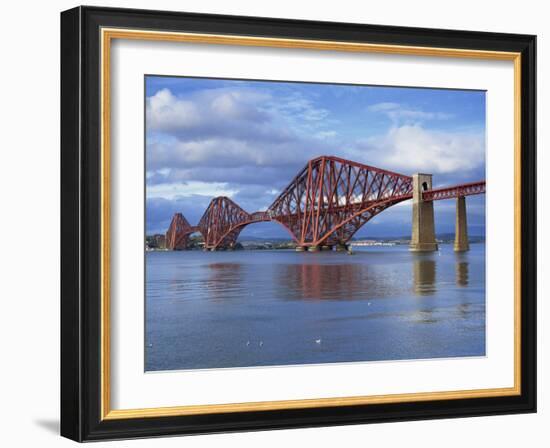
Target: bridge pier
300	248
461	226
326	247
313	248
341	247
423	228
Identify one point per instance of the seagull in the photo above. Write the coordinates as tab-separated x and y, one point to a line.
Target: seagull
247	343
261	343
318	341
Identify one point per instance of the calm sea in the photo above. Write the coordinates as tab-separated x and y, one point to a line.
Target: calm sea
262	308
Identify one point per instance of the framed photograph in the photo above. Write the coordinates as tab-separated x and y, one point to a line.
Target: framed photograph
273	223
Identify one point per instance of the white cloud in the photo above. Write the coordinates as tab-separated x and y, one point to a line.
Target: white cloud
296	105
382	107
220	111
228	153
166	112
412	148
191	188
401	113
325	134
227	133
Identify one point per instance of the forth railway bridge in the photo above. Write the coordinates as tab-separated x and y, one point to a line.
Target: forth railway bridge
327	202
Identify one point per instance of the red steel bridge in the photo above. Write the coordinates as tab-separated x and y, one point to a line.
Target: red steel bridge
324	205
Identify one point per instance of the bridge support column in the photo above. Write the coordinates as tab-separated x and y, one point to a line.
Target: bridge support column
341	247
313	248
461	226
300	249
423	228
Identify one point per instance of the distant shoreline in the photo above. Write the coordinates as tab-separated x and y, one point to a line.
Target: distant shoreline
255	246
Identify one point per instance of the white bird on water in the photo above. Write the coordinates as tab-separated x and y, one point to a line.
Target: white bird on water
318	341
247	343
261	343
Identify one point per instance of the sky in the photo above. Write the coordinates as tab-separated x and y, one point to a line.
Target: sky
248	139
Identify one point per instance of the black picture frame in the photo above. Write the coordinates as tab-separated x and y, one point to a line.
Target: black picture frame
81	224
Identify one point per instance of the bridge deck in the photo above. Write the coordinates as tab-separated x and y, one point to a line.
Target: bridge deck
454	191
329	200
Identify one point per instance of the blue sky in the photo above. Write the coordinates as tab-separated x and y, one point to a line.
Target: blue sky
247	140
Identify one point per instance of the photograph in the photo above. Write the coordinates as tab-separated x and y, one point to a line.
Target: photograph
300	223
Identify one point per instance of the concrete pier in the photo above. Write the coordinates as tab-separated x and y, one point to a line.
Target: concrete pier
300	249
313	248
423	229
461	226
341	247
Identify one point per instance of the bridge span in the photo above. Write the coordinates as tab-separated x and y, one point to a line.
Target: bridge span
327	202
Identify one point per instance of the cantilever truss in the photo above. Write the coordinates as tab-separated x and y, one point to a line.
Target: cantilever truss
325	204
178	233
222	222
331	198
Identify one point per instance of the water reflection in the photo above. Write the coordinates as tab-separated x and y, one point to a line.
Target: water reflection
463	310
462	270
424	271
322	281
225	280
335	282
426	316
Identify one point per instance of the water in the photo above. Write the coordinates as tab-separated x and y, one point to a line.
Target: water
262	308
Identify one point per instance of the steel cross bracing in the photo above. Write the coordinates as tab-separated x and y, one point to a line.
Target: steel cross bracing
455	191
325	204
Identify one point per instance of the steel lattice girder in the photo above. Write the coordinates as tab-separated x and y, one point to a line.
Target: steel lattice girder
223	221
325	204
331	198
178	233
454	191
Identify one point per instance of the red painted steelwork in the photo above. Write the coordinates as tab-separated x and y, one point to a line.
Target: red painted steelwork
222	222
331	198
178	233
455	191
325	204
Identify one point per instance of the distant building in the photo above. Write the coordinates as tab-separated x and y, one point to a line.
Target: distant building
157	241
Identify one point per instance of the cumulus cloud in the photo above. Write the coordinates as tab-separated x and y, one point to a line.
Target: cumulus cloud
228	152
232	112
169	112
166	113
225	134
413	148
186	189
242	177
